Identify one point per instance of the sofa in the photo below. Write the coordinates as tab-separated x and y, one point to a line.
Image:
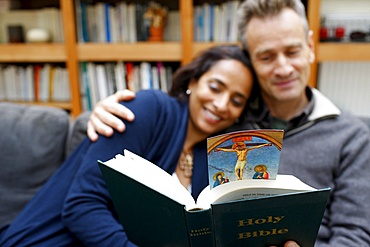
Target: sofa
34	141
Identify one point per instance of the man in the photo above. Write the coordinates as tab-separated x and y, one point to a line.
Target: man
323	146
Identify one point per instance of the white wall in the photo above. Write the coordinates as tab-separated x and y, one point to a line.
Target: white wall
345	6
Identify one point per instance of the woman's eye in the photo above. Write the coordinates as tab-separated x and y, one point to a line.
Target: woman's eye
214	87
237	102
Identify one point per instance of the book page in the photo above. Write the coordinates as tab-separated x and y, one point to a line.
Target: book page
253	188
152	176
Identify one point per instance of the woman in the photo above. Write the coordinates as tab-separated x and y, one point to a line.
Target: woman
74	207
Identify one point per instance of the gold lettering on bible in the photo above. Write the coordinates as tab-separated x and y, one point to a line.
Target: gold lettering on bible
261	221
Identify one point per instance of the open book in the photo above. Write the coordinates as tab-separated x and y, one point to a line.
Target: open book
156	210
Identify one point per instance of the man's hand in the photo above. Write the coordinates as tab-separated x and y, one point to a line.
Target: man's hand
104	120
289	244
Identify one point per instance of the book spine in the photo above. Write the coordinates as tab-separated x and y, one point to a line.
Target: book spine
200	228
36	74
141	32
111	78
92	23
78	21
2	84
85	87
91	71
130	76
29	78
102	82
51	84
107	23
84	23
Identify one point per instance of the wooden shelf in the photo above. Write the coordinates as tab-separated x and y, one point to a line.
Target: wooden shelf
140	51
200	46
32	53
63	105
343	52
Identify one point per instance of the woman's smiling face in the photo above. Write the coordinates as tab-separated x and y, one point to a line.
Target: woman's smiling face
218	98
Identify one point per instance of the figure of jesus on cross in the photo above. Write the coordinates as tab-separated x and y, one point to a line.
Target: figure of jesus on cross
241	151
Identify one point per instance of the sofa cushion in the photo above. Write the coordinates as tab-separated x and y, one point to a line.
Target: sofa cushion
32	146
77	131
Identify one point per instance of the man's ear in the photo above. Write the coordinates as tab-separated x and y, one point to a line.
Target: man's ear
311	46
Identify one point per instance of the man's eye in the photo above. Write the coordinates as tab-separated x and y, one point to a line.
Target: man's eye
265	58
294	52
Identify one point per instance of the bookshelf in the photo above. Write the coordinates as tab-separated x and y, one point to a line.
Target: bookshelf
332	51
72	53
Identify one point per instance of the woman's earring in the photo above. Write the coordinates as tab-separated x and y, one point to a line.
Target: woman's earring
188	92
237	120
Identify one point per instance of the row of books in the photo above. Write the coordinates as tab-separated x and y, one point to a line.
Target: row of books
99	80
44	83
216	23
46	18
122	22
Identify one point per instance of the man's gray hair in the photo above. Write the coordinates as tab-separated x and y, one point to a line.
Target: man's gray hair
264	8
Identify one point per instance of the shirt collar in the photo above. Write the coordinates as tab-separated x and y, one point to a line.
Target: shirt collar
259	113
